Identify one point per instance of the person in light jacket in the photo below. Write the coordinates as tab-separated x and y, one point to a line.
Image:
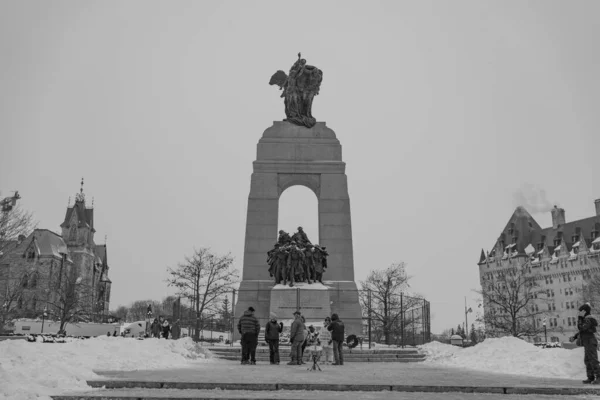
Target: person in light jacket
326	342
297	338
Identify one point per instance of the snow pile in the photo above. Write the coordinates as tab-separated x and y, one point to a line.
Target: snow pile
32	369
509	355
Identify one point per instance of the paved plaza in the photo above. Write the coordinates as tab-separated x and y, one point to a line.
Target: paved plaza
222	371
151	394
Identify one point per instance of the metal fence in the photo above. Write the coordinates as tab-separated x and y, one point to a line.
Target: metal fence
392	319
396	319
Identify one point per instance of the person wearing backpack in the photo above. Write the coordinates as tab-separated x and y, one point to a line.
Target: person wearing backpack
586	325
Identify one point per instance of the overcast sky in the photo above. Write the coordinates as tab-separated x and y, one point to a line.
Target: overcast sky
444	110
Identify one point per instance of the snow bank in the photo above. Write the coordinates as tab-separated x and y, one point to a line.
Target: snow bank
32	369
509	355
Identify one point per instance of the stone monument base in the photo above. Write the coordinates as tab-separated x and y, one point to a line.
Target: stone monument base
315	302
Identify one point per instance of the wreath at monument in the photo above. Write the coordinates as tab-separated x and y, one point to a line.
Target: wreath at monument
352	341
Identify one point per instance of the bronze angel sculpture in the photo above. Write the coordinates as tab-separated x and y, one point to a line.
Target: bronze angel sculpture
299	89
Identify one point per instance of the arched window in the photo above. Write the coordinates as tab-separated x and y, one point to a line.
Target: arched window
34	281
24	281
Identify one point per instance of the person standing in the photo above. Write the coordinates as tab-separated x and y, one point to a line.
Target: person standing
326	341
337	335
297	338
166	328
272	331
586	324
306	333
249	328
155	329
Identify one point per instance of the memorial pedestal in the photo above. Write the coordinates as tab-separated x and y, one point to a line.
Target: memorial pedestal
289	155
311	300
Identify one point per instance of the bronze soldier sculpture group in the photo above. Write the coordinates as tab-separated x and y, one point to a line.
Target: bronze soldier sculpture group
296	259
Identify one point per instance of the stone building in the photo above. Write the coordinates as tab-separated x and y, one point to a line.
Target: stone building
32	266
561	256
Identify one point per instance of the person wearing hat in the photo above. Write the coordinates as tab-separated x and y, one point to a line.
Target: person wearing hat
272	331
249	328
297	338
586	325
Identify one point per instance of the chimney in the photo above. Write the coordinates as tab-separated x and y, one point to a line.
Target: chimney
597	203
558	217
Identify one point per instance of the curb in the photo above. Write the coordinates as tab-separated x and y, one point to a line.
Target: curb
108	384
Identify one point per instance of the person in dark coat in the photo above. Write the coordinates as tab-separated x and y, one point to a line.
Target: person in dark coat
166	328
272	331
297	338
249	328
337	336
155	329
586	324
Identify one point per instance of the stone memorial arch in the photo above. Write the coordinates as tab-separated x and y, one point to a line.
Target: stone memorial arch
288	155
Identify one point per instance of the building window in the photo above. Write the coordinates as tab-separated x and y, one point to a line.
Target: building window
34	281
33	303
24	281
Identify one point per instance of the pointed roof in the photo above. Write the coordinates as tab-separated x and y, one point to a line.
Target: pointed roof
482	257
522	226
85	216
48	243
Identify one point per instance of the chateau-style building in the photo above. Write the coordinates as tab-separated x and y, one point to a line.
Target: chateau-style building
32	267
561	257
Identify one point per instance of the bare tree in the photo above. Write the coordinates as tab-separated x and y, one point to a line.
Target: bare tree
71	298
512	299
382	299
12	290
14	222
121	313
590	292
203	278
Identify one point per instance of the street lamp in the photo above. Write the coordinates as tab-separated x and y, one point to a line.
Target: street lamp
545	333
44	315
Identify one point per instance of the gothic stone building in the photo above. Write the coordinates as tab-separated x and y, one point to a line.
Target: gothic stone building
562	256
32	262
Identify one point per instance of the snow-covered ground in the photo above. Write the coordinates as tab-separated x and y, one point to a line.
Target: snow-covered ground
38	370
509	355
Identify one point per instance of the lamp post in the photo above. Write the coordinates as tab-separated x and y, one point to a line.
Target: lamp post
466	320
545	333
44	315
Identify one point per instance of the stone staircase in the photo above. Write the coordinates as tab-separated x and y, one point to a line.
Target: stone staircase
355	355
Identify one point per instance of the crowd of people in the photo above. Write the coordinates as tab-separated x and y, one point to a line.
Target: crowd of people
160	328
330	338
